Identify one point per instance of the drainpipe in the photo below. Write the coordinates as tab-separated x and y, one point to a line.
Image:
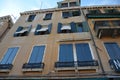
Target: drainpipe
100	62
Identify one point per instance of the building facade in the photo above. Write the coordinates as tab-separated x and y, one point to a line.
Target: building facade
68	42
5	24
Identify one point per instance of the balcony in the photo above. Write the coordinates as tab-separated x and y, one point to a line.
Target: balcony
103	15
33	67
105	31
64	66
5	67
87	64
76	65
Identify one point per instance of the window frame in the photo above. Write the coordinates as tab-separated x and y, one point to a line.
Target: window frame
50	14
28	18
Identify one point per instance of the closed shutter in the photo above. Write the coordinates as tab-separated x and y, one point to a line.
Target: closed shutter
37	54
83	52
59	27
66	53
73	27
37	28
113	50
49	28
18	29
85	26
9	56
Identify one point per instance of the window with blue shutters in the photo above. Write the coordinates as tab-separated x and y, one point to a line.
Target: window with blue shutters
36	58
113	50
22	31
48	16
8	58
72	27
31	18
43	29
71	55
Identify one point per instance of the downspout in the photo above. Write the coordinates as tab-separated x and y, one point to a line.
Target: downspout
100	62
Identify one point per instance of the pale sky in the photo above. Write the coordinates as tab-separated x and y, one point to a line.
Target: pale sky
14	7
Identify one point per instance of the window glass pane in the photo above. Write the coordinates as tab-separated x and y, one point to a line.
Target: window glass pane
83	52
113	50
9	56
37	54
66	53
31	17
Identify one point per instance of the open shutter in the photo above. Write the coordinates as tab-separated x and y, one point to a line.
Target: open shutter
73	26
18	29
49	28
85	26
29	29
59	27
37	28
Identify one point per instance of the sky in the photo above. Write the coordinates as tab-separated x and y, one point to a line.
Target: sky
15	7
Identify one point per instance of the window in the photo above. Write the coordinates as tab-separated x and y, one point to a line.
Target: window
116	22
73	4
43	29
101	24
64	4
111	11
94	11
36	59
22	31
73	13
48	16
31	18
71	55
72	27
7	60
113	50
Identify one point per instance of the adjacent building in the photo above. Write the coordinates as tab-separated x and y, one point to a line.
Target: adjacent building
5	24
68	42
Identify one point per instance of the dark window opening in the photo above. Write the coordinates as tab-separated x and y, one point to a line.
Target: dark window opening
64	4
72	4
65	14
31	18
75	13
48	16
111	11
94	11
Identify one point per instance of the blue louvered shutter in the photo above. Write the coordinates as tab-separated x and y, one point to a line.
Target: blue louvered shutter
83	52
85	26
73	27
18	29
37	28
59	27
49	28
113	50
9	55
66	53
37	54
